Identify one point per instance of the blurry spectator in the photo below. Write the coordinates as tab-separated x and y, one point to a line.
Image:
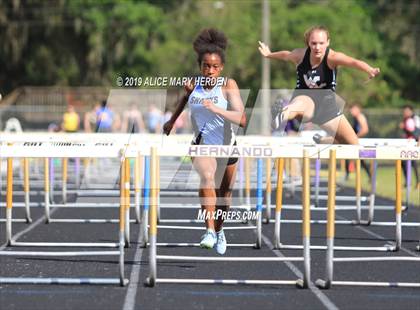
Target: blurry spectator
154	119
104	118
411	128
132	120
410	124
361	128
71	120
13	125
89	121
53	127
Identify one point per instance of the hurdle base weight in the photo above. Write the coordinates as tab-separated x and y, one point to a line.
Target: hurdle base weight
300	283
149	282
323	284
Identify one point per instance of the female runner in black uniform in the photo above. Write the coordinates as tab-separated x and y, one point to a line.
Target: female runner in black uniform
314	97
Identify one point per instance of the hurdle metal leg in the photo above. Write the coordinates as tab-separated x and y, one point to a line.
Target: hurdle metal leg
279	202
64	179
408	183
259	203
151	280
267	214
26	189
47	189
317	170
145	214
241	180
52	179
138	166
306	217
77	172
374	167
358	193
9	200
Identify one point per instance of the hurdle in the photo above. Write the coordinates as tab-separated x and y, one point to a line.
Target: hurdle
364	153
152	280
12	150
370	199
146	209
48	205
330	259
358	208
278	220
194	194
257	227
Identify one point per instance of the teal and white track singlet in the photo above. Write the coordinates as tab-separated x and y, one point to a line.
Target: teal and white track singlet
209	128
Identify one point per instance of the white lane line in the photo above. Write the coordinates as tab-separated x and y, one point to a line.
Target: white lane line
130	297
320	295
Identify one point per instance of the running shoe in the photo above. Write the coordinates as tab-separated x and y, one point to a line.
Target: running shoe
279	121
221	243
317	138
208	240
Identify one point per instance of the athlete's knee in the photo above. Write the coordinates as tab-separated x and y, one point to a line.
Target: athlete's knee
207	180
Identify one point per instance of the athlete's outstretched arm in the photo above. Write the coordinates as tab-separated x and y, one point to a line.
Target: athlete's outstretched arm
294	56
236	114
341	59
167	127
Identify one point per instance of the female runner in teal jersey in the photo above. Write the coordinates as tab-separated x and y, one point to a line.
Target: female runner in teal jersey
213	109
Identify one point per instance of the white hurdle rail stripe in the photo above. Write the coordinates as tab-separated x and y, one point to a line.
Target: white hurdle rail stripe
70	281
226	281
113	148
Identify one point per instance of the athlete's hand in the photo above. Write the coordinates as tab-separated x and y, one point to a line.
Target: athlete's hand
264	49
373	72
167	127
209	105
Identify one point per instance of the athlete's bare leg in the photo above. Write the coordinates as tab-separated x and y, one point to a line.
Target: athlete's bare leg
301	107
224	193
341	130
206	168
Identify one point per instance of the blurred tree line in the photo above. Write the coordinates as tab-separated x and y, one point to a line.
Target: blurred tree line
85	43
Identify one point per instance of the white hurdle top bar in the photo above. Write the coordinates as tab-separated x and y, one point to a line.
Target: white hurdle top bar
126	145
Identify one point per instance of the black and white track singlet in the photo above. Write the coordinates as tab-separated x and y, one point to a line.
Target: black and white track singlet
318	83
319	77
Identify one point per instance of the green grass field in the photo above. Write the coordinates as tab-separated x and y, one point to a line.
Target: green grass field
386	184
